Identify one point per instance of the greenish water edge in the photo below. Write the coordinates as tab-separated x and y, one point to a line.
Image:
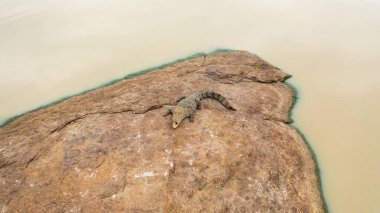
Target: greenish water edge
195	55
130	75
296	99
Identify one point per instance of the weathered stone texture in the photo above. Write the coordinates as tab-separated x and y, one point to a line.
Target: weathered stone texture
111	150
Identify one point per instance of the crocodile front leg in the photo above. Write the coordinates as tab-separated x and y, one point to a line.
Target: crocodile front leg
168	112
181	98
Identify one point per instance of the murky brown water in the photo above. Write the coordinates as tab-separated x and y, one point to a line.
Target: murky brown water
51	49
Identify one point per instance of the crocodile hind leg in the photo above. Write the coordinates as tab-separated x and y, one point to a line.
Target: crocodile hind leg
191	117
199	105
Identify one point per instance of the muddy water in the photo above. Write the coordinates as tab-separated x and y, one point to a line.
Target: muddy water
50	49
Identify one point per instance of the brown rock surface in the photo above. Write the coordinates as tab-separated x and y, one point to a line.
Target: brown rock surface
111	150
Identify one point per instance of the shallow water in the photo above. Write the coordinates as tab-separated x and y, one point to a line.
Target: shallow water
51	49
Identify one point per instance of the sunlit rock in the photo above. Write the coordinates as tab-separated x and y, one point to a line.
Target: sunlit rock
111	150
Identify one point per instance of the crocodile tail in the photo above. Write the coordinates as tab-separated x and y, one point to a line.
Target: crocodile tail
218	97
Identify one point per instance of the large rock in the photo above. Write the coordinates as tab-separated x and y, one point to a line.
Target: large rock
111	150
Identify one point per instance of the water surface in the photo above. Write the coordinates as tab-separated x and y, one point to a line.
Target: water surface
50	49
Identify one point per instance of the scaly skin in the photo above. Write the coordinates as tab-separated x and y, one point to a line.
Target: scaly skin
187	106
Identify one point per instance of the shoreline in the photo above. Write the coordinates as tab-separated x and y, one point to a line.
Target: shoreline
130	75
195	55
309	147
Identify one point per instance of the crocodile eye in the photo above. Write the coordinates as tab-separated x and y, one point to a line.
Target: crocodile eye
176	123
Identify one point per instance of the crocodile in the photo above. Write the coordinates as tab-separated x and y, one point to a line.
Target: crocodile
187	105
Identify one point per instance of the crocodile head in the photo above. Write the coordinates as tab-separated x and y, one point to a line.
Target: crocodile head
179	113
